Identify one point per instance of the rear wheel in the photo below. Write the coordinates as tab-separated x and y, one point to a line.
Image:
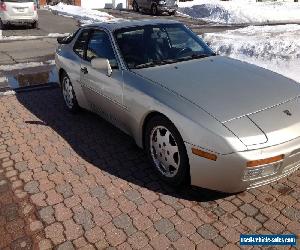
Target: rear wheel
68	93
166	150
172	13
154	10
2	25
35	25
135	6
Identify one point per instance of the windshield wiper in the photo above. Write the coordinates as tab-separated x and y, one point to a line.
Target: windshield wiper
154	63
170	61
145	65
194	56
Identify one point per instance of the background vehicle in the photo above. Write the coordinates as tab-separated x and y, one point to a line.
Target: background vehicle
18	12
156	6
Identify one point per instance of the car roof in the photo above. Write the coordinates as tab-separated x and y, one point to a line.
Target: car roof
113	25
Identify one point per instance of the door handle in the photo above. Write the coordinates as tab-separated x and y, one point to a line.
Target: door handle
84	70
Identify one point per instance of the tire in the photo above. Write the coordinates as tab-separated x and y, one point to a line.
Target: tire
135	6
68	93
154	10
166	151
2	25
172	13
35	25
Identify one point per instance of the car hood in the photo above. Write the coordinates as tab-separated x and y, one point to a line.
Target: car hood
224	87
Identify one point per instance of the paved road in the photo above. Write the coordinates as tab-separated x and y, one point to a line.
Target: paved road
48	23
27	51
41	49
92	187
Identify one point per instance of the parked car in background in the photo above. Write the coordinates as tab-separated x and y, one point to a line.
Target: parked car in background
18	12
213	121
156	6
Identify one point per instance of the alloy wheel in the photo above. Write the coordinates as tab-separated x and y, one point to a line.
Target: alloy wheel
164	151
68	92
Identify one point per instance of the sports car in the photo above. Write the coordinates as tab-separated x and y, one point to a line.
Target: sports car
203	119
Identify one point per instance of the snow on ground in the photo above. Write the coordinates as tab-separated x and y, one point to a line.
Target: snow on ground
21	38
273	47
3	79
6	93
25	65
84	15
242	11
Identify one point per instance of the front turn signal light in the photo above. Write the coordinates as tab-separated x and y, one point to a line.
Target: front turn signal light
256	163
204	154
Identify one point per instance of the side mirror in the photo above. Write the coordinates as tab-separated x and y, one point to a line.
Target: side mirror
102	64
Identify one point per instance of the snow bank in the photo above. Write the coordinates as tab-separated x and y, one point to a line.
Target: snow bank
273	47
84	15
7	93
25	65
3	79
241	11
23	38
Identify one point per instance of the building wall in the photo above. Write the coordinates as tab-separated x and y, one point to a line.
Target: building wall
42	2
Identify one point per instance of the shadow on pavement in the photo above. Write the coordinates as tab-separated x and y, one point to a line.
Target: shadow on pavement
103	145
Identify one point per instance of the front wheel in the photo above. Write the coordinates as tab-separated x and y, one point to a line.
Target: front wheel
68	93
35	25
166	150
2	25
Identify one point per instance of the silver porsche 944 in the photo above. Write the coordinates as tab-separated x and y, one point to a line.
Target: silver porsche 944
213	121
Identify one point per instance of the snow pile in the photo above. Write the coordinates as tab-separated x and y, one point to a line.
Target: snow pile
25	65
273	47
3	79
85	16
23	38
7	93
241	11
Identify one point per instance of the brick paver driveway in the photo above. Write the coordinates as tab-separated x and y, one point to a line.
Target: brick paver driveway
77	181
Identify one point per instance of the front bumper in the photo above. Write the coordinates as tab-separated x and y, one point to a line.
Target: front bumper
167	8
227	173
7	19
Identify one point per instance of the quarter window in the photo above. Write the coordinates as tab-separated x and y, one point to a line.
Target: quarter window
99	46
81	42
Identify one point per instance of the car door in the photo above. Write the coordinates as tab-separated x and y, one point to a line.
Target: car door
105	93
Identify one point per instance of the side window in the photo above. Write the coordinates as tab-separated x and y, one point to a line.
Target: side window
99	46
80	44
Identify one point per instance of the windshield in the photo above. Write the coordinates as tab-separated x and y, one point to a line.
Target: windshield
152	45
